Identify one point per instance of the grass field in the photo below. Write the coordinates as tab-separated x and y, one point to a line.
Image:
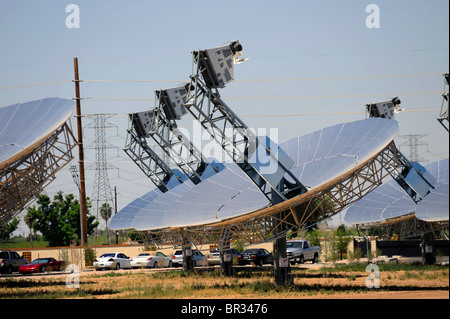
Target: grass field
415	281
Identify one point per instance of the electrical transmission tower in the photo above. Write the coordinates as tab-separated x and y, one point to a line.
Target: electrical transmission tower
413	142
101	192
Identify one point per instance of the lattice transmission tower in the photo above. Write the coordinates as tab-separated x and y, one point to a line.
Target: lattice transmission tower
413	142
101	191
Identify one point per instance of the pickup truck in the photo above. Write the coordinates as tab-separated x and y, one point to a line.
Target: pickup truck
10	261
299	251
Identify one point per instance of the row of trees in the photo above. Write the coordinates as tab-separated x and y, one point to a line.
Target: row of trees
58	220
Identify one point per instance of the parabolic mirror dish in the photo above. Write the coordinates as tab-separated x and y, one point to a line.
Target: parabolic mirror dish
390	201
35	143
320	157
435	206
24	126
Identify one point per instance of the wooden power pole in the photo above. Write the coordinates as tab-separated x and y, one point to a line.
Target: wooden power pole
84	240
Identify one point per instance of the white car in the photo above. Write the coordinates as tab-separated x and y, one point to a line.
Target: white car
112	261
151	259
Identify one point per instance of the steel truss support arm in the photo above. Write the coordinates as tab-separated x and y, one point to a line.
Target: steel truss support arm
443	115
147	160
176	145
237	140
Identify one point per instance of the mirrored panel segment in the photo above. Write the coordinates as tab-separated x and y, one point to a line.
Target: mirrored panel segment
23	126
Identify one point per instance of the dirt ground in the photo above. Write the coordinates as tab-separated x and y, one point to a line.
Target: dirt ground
308	283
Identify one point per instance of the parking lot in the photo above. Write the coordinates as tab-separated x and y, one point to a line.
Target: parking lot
90	271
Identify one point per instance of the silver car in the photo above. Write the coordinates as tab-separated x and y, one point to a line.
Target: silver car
214	257
197	257
10	261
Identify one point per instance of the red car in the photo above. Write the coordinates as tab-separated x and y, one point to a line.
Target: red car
42	265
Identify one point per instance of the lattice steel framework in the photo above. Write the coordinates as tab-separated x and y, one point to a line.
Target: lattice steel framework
404	227
146	159
29	175
176	145
101	191
443	114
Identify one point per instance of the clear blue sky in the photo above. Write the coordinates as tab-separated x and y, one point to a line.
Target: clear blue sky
318	59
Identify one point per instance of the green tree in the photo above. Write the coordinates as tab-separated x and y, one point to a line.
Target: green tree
342	240
59	220
314	237
8	228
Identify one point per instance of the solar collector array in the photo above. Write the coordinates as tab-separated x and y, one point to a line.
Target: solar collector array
319	158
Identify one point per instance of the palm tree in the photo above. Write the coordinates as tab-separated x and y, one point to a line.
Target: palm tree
106	213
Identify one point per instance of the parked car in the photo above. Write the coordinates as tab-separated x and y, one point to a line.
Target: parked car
151	259
42	265
112	261
197	258
299	251
10	261
213	257
256	256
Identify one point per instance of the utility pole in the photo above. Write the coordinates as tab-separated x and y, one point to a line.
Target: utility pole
115	211
84	241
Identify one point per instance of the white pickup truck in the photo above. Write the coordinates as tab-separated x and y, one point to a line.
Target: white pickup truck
299	251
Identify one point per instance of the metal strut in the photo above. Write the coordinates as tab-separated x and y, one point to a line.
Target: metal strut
146	159
164	131
443	114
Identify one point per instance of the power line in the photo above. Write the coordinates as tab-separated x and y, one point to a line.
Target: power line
351	53
358	77
34	85
361	77
257	98
328	113
339	78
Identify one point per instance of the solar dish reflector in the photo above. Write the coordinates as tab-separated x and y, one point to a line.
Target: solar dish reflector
24	126
319	158
435	207
270	167
332	152
387	201
390	200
